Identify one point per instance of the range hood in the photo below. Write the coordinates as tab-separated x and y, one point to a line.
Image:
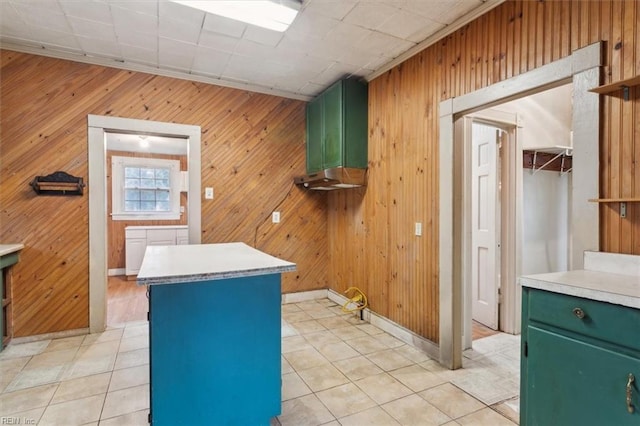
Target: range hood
335	178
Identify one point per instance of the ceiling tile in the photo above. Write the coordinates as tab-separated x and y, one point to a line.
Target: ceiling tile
39	6
370	14
92	10
137	55
11	24
403	24
140	6
92	29
347	34
51	38
262	35
129	20
181	12
384	45
93	46
176	54
43	18
328	40
309	23
136	39
210	62
428	29
224	26
219	42
440	10
457	10
331	8
178	30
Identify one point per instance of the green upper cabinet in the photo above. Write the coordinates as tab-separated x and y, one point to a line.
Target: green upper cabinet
337	127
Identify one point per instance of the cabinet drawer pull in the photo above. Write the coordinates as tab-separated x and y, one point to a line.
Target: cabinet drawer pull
630	381
579	313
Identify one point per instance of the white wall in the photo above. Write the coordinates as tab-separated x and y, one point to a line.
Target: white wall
545	116
545	234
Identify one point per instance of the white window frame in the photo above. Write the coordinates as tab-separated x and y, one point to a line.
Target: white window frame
118	165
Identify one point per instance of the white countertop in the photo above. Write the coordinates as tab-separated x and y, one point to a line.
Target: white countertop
157	227
204	262
602	286
10	248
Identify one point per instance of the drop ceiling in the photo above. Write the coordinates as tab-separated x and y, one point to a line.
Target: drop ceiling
329	39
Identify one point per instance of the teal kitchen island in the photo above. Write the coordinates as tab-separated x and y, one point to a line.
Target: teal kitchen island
214	333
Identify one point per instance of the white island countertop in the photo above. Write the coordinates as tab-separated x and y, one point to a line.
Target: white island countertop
6	249
602	286
204	262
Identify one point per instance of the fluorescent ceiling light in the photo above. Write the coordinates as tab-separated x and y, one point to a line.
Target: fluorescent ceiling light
275	15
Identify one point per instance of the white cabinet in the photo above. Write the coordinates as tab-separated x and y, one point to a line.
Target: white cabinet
137	238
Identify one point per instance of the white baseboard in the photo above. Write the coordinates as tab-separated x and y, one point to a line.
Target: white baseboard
114	272
303	296
396	330
49	336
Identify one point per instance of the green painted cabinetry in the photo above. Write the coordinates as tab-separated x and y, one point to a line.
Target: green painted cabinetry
337	127
577	358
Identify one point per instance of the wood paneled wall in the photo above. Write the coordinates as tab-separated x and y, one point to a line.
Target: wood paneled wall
252	147
371	236
115	228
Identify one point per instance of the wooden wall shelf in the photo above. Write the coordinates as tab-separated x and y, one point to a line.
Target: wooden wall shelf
58	183
607	89
623	203
615	200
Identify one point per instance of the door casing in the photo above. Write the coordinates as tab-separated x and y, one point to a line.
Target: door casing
584	68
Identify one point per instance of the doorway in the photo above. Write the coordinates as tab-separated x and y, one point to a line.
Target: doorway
146	191
98	127
584	68
522	208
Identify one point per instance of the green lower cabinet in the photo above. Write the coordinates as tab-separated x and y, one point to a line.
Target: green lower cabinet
574	379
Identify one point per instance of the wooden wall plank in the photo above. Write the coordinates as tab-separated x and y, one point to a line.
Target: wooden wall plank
252	147
526	35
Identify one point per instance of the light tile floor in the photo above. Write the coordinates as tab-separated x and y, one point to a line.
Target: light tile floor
336	370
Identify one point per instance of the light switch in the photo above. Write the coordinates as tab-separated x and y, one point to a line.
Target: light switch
208	193
418	229
275	217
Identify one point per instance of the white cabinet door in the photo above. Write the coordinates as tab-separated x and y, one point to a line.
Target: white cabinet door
161	237
134	253
182	236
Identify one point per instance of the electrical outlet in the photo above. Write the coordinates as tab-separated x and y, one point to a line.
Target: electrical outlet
208	193
275	217
418	229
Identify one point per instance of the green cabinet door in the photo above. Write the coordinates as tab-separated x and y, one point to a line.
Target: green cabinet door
333	126
571	382
315	135
356	124
337	122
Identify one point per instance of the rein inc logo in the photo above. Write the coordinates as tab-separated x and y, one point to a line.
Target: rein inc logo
17	421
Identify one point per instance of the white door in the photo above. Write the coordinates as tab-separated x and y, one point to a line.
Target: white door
484	229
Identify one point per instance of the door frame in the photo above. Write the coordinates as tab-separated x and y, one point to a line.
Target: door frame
584	68
98	126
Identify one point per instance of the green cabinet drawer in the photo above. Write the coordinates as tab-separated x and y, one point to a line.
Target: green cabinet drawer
570	382
604	321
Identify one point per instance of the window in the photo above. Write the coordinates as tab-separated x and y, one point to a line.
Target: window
145	188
